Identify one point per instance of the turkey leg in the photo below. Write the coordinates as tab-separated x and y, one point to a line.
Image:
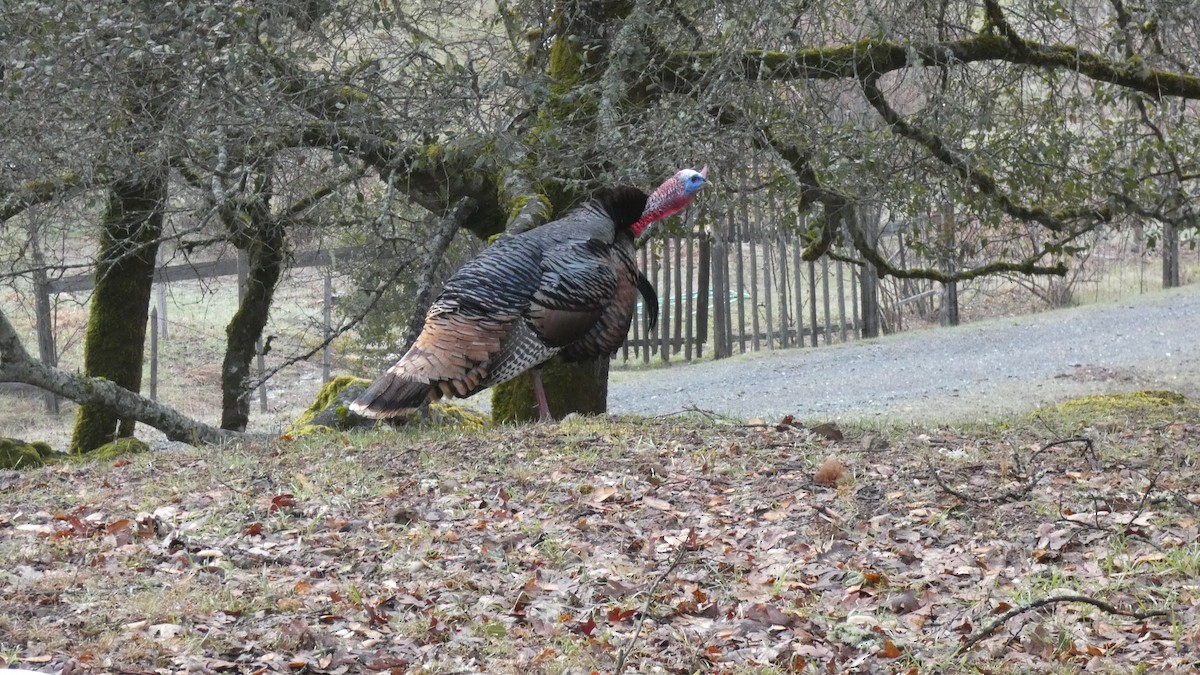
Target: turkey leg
540	394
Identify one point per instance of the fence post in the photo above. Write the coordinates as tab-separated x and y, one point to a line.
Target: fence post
664	316
722	343
841	301
738	230
751	233
161	301
688	298
798	280
677	338
45	328
651	271
783	285
703	286
825	297
153	353
950	298
41	306
160	293
812	301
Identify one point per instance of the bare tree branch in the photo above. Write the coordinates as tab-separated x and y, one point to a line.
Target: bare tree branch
437	250
683	71
1059	221
34	192
16	365
461	212
836	205
687	544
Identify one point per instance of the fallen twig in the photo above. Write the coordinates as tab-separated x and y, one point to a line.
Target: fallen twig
712	416
1128	529
1142	504
988	630
1176	496
688	543
1031	478
1011	495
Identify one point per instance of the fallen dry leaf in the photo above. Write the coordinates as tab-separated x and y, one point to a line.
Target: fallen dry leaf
889	650
602	494
655	503
544	549
829	431
831	472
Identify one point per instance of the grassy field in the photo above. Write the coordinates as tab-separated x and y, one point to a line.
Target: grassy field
1059	543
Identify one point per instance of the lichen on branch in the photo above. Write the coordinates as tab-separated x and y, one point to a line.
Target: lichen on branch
682	71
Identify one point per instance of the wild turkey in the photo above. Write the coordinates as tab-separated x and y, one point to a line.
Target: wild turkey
568	288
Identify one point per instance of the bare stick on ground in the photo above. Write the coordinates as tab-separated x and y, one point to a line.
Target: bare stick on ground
1031	481
688	544
988	630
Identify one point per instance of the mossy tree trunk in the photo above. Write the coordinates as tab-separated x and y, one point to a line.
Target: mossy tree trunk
114	344
570	388
577	57
264	238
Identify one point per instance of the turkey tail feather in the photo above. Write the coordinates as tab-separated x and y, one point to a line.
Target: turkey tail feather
391	395
651	299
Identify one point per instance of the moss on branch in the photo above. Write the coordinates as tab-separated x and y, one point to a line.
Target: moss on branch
37	191
435	175
877	56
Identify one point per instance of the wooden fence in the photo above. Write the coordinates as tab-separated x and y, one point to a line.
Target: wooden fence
739	285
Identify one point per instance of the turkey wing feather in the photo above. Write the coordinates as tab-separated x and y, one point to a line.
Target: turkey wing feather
577	284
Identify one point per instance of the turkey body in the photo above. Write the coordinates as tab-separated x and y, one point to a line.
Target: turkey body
566	288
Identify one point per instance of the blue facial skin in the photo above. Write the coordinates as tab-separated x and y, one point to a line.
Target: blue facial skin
693	183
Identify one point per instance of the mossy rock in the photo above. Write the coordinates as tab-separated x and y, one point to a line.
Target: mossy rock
18	454
1114	411
127	445
331	411
452	415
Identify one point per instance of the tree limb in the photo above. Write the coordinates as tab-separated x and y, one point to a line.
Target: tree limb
977	176
530	209
683	71
461	212
835	204
437	250
16	365
996	22
34	192
433	176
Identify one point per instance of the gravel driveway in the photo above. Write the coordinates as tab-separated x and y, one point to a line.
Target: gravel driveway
976	371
